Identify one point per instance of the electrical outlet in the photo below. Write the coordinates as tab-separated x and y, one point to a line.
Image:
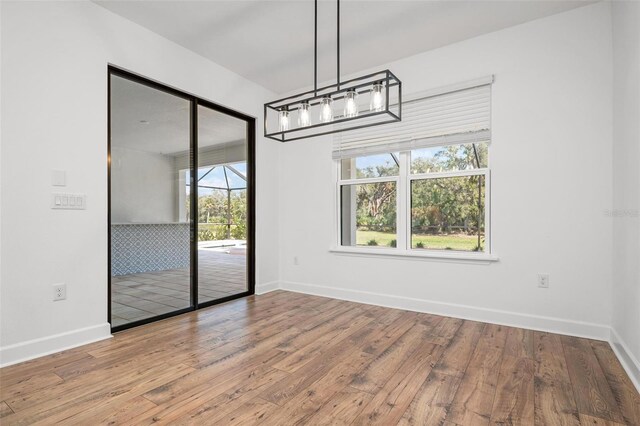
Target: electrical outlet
543	280
59	292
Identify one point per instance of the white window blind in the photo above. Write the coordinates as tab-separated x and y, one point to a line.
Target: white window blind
452	115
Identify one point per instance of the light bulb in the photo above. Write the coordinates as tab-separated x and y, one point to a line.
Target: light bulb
350	104
304	118
326	110
284	121
377	98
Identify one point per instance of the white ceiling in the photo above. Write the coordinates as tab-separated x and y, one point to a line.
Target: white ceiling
147	119
271	41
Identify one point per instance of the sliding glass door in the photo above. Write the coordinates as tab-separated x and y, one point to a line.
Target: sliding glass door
180	202
150	254
222	205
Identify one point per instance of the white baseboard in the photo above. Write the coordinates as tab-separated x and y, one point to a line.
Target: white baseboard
494	316
24	351
267	287
629	362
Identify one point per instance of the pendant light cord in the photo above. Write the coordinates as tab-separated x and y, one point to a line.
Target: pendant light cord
338	43
315	49
315	46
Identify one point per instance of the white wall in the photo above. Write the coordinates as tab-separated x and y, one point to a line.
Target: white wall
551	185
54	116
626	181
144	187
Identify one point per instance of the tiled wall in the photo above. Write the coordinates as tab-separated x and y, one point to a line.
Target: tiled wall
139	248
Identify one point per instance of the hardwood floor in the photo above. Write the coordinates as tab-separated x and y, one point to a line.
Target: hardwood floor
286	358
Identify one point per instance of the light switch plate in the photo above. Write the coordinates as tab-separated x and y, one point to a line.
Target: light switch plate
61	201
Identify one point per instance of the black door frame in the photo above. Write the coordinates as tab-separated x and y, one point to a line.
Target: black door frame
195	101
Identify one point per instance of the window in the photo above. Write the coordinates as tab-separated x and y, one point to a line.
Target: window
443	191
421	188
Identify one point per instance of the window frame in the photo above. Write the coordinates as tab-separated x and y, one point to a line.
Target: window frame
403	214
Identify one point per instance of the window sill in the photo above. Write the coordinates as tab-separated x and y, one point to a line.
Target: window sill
415	254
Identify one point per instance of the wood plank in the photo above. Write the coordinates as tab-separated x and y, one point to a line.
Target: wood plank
344	326
430	321
442	333
520	343
586	420
624	391
461	347
224	373
187	400
392	401
25	370
122	414
514	400
430	405
383	337
342	409
243	347
179	351
384	316
226	405
74	403
554	400
5	410
473	400
373	378
590	386
313	327
551	365
252	412
101	406
305	404
85	386
29	385
371	339
300	380
555	404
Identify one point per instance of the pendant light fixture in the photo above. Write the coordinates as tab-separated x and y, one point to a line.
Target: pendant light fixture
304	118
365	101
350	104
376	98
284	120
326	109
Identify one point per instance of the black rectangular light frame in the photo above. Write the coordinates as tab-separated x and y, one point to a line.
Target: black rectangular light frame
391	113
